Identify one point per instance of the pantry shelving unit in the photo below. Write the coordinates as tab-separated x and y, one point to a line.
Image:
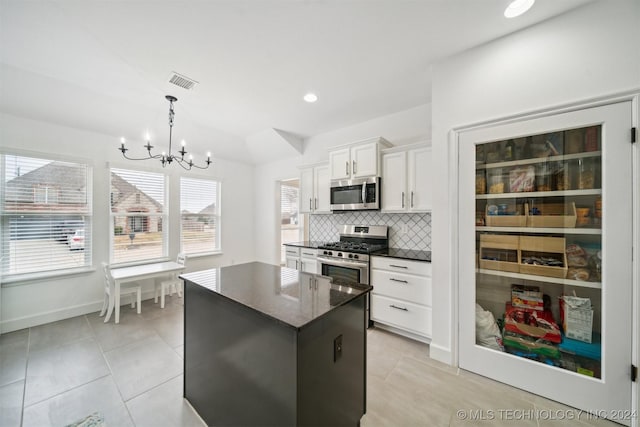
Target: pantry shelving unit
549	213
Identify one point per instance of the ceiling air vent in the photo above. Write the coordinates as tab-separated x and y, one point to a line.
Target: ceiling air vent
182	81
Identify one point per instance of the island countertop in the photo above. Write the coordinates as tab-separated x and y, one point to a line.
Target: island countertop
286	295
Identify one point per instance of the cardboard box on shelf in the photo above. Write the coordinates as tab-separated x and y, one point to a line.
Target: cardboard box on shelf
527	297
577	317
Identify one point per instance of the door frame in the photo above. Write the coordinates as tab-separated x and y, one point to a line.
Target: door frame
633	96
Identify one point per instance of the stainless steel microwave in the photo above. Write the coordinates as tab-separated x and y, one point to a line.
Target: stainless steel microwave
355	194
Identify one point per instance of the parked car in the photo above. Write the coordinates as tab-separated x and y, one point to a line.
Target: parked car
76	240
65	229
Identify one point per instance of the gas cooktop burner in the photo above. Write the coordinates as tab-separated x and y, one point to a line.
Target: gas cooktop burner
352	246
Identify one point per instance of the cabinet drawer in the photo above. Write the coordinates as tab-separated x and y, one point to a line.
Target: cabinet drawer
416	289
292	251
401	265
401	314
308	253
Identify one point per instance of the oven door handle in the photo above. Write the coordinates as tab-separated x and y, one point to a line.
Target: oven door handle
344	263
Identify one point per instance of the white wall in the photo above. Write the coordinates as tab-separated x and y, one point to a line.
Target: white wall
32	303
401	128
589	52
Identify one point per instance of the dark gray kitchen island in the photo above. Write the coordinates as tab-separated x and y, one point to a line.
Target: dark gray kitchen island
265	345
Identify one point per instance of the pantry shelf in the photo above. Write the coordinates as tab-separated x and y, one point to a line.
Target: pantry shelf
567	193
592	285
537	160
590	231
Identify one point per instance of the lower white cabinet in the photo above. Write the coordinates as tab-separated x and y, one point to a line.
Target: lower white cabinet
292	254
302	259
401	296
308	260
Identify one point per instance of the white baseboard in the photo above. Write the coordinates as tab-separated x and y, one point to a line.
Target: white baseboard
18	323
32	320
441	354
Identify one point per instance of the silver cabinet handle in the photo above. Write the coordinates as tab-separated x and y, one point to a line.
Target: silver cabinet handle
297	265
316	203
412	199
399	308
398	280
346	169
398	266
354	166
403	199
310	207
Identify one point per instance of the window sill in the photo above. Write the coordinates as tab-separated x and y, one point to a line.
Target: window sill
204	254
24	279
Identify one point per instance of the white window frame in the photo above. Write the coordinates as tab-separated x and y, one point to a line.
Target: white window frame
217	215
87	266
163	218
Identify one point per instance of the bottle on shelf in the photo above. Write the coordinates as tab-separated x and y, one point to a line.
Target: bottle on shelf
586	174
509	148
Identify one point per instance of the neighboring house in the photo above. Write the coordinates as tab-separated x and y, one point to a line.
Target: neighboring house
198	221
135	211
57	192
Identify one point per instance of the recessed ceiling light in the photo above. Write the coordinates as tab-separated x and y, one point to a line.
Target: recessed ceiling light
310	97
518	7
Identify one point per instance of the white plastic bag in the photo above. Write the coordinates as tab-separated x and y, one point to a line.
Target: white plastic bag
487	331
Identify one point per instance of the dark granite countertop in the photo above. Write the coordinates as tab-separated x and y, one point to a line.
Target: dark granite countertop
308	244
409	254
284	294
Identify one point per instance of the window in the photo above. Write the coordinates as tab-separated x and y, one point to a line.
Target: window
290	220
200	215
45	205
137	214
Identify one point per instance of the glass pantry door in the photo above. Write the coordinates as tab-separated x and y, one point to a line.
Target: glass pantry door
545	265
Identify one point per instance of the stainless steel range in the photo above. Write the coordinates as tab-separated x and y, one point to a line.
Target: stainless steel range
348	258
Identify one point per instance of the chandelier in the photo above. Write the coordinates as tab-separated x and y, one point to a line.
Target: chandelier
167	158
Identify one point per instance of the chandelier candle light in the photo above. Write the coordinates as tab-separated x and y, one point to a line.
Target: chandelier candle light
165	158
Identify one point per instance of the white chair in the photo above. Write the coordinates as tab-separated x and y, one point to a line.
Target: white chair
172	284
109	293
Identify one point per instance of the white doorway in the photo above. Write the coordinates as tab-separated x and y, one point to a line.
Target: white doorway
292	222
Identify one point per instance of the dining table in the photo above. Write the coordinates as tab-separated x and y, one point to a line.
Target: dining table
137	272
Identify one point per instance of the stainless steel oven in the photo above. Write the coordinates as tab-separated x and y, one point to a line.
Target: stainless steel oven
350	270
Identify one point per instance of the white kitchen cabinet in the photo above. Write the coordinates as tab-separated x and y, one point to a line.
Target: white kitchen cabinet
406	179
401	296
357	160
544	213
301	259
314	189
292	257
308	260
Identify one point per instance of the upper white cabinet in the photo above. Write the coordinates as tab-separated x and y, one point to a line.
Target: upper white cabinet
357	160
314	189
406	179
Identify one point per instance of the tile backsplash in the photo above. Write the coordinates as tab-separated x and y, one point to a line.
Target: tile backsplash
418	225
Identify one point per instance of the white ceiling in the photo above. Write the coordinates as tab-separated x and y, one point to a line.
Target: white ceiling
103	65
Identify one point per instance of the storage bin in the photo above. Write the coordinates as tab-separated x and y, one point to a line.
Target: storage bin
552	215
544	247
499	252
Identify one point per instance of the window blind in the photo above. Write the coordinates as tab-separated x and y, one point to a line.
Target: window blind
138	216
200	215
46	215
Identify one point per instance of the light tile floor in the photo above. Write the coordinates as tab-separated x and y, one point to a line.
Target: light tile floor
55	374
